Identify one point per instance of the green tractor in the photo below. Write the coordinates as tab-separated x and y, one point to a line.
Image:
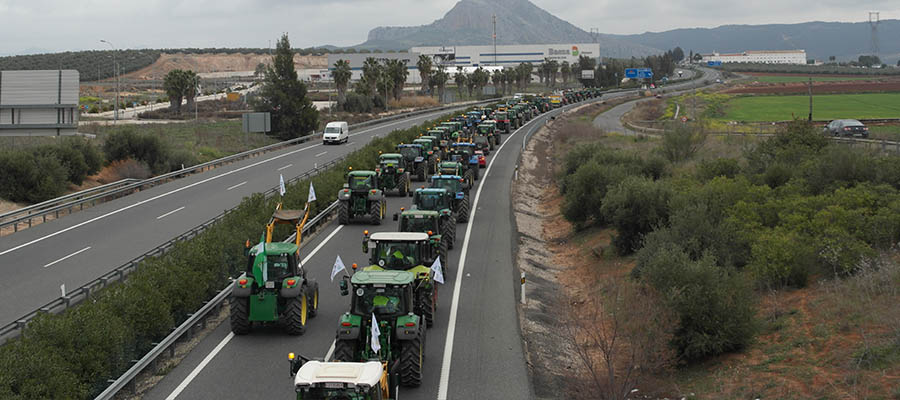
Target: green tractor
274	288
454	129
426	221
361	197
433	149
502	118
316	380
489	128
440	200
418	157
464	153
386	297
414	252
459	188
392	174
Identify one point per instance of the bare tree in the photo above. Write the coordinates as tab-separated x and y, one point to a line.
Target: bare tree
620	334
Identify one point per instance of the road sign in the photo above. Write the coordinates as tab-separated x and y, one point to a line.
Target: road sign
587	74
631	73
714	63
638	73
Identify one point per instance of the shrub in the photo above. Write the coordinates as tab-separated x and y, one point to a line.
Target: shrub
357	103
715	305
635	207
124	169
586	189
27	176
839	167
181	157
782	258
127	143
777	175
682	142
726	167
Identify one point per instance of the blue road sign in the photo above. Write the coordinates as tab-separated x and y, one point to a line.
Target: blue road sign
714	63
631	72
638	73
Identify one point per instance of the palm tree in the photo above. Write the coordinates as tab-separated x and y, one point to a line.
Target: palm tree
565	70
461	81
497	79
341	74
425	65
397	71
439	78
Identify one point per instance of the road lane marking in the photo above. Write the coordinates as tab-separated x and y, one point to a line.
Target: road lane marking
444	382
286	167
238	185
330	352
69	256
348	144
187	380
170	213
321	154
140	203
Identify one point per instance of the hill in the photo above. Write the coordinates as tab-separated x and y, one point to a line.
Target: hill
845	41
518	22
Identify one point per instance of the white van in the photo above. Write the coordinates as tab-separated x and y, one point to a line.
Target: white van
336	132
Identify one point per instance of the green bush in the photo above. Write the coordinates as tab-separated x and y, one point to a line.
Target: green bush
147	148
839	167
726	167
635	207
681	142
357	103
31	176
586	189
782	258
715	305
777	175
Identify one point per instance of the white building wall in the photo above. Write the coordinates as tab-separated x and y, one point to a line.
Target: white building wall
762	57
39	102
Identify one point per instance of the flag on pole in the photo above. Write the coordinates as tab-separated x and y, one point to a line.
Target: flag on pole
437	270
260	270
312	193
281	188
376	344
338	267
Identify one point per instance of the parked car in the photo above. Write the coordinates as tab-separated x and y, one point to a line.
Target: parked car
847	127
336	132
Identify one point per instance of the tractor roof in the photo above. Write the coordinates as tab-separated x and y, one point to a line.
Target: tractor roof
424	213
383	277
414	144
448	177
463	144
275	248
398	236
356	373
489	122
450	164
440	191
361	173
427	137
391	155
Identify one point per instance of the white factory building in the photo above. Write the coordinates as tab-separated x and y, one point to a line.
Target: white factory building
759	57
508	55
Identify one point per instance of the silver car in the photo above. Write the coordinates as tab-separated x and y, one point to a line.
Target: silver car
847	127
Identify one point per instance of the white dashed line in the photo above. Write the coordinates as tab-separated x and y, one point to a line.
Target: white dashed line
69	256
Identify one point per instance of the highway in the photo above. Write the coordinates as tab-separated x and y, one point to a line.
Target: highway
83	246
473	351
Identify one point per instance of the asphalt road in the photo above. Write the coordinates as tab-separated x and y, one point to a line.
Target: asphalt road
83	246
473	351
611	120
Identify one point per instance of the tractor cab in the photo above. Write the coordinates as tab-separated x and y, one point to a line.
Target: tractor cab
361	196
451	168
273	262
361	181
454	184
421	221
392	174
399	251
317	380
435	199
411	153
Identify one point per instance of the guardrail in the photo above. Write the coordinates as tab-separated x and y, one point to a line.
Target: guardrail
36	209
27	218
197	319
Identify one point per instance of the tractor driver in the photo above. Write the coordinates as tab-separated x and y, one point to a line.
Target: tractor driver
278	265
395	257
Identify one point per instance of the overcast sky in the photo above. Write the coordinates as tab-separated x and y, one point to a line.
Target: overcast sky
60	25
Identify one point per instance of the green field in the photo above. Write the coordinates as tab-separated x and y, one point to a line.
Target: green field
801	78
825	107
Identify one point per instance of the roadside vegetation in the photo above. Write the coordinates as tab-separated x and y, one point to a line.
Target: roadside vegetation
768	269
72	355
46	171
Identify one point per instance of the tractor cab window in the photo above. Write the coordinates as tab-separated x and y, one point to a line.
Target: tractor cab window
396	255
481	139
339	394
409	152
360	182
451	185
279	265
429	201
379	300
424	224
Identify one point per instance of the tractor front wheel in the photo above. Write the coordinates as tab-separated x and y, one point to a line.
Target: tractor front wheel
240	315
344	350
375	212
296	314
344	212
412	359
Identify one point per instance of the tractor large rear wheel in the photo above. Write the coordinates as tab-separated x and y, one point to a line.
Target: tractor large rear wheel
475	172
444	252
469	177
240	315
447	231
463	212
344	212
344	350
296	314
404	186
375	212
412	359
312	299
420	170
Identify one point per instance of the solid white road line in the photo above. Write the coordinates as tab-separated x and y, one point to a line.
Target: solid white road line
454	305
330	352
187	380
321	154
238	185
111	213
286	167
69	256
350	143
170	213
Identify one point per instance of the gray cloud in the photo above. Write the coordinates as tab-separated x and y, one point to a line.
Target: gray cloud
59	25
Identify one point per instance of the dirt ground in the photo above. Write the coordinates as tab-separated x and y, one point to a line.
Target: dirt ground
817	88
202	63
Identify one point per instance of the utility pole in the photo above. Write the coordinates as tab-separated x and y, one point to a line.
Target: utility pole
116	72
494	20
809	89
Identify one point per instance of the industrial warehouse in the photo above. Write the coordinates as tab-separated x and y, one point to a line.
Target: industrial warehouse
760	56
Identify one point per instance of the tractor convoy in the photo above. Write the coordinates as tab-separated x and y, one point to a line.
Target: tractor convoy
380	340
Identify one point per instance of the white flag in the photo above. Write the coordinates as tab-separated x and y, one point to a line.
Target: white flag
437	271
312	193
281	189
376	345
338	266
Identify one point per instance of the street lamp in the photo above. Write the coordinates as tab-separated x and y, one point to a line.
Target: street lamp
116	69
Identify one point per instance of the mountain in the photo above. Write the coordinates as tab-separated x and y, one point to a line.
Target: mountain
518	22
821	40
